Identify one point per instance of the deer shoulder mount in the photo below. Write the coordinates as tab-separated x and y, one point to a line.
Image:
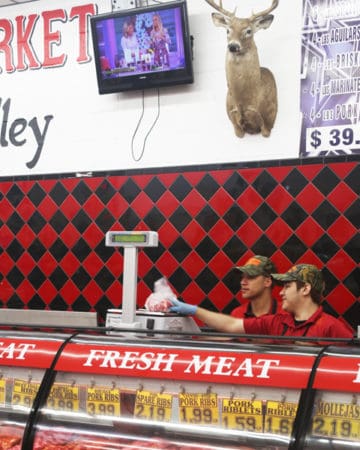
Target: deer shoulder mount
251	101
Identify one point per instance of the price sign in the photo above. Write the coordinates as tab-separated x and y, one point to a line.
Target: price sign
199	409
63	397
337	420
2	391
242	415
103	401
153	406
332	139
24	393
279	417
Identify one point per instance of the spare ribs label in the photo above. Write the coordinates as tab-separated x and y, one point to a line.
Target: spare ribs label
103	401
63	397
198	409
24	393
153	406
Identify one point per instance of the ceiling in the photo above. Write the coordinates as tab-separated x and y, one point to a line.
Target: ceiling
14	2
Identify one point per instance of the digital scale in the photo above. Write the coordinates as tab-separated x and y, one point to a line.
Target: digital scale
128	317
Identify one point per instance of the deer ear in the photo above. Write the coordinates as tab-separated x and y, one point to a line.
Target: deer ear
219	20
263	22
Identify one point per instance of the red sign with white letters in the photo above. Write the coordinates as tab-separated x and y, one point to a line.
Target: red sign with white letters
282	370
338	373
28	352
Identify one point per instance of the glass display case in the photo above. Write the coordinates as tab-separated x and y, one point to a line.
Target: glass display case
98	391
335	417
25	363
137	394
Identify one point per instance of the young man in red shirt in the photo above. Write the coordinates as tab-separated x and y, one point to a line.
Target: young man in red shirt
256	287
303	315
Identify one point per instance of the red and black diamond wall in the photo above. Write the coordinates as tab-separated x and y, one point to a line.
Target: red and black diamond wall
52	251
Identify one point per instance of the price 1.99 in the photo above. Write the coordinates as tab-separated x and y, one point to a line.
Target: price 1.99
341	138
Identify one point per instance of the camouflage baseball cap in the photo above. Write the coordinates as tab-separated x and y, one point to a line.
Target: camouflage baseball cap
258	265
305	273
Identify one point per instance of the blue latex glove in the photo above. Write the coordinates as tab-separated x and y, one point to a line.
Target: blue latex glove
182	308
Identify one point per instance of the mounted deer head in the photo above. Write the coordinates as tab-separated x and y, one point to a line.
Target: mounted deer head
252	95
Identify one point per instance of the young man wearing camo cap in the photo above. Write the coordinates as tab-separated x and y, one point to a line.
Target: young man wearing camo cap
303	315
256	287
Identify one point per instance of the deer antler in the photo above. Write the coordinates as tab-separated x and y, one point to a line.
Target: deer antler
221	9
266	11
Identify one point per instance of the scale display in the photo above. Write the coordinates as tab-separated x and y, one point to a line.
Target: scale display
131	239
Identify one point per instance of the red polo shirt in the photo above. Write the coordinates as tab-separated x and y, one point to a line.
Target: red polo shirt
245	310
320	324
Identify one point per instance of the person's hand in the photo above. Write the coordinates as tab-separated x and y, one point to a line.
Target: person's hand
182	308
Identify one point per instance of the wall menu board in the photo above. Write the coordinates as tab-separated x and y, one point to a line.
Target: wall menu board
330	82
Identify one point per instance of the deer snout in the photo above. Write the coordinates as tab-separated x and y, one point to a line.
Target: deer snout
234	47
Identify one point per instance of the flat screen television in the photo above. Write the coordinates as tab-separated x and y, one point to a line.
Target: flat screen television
142	48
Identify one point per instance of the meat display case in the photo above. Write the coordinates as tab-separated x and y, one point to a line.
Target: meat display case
97	391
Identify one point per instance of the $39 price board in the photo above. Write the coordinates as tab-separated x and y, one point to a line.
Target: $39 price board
153	406
63	397
198	409
342	138
103	401
24	393
241	414
337	420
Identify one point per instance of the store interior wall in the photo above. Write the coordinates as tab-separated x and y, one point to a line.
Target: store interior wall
209	219
233	198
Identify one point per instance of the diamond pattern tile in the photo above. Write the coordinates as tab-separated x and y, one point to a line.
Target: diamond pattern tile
52	251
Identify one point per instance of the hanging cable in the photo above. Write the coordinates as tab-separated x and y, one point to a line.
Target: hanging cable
137	159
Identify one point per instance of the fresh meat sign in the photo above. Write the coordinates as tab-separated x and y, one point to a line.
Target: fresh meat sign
181	364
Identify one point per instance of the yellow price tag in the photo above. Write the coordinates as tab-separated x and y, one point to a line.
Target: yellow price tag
2	391
103	401
24	393
339	420
63	397
199	409
279	417
243	415
153	406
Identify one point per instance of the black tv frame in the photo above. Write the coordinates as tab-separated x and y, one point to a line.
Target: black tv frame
114	80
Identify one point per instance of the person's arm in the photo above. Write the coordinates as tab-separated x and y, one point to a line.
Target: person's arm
220	322
217	321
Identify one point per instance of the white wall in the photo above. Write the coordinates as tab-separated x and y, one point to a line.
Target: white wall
91	132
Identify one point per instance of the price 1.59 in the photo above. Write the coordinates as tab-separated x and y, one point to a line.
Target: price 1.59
341	138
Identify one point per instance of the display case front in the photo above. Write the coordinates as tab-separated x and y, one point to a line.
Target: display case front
335	417
24	363
115	393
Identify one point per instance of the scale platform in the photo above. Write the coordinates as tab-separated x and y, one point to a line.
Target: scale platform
151	321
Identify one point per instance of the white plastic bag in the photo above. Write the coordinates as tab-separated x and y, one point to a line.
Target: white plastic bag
159	300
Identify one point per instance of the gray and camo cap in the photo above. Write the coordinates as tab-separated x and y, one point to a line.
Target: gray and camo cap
258	265
305	273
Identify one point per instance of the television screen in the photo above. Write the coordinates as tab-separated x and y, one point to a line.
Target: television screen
142	48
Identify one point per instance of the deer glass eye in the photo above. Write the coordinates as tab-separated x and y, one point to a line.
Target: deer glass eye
248	32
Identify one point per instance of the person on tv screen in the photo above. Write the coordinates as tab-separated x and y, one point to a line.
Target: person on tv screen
160	41
129	43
